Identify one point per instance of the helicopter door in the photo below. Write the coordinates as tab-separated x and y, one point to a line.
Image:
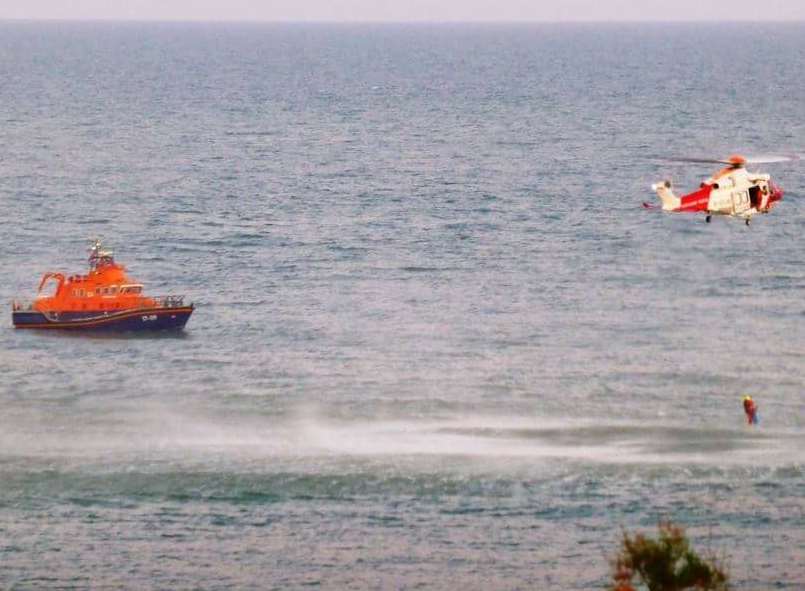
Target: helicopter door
754	194
740	201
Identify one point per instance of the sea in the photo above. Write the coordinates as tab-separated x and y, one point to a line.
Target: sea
438	342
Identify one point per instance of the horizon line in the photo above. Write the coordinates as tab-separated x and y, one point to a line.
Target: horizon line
636	21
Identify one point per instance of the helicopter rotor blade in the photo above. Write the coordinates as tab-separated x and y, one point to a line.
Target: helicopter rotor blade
738	161
697	160
772	159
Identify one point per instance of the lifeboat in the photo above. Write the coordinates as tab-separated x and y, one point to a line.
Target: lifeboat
103	299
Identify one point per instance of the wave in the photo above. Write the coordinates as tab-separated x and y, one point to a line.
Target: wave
251	133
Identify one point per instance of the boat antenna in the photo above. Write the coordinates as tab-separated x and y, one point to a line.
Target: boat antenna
98	257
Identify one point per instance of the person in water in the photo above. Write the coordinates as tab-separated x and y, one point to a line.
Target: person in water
750	408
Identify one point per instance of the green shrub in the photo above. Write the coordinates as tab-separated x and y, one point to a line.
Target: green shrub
665	564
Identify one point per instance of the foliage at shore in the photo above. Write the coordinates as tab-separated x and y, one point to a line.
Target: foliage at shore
667	563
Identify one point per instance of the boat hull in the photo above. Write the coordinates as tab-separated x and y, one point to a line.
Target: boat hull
141	319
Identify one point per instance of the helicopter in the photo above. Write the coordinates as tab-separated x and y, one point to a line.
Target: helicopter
732	191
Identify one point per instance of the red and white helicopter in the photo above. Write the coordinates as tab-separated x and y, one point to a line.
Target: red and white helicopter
732	191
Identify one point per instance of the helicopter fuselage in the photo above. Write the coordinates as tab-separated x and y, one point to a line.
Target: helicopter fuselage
733	191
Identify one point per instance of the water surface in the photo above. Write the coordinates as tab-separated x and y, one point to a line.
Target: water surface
438	343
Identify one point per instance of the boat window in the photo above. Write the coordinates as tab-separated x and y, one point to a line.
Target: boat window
135	289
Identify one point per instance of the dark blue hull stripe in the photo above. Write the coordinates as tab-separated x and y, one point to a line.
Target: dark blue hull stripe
128	320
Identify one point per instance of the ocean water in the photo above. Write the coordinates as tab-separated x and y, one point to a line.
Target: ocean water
438	342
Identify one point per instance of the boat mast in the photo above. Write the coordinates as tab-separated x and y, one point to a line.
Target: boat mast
99	258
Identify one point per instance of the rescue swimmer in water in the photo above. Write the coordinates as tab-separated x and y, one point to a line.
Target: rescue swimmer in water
750	408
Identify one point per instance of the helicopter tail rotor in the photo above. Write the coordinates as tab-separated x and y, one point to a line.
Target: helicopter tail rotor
664	191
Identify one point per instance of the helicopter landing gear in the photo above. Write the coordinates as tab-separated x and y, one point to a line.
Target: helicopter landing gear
708	219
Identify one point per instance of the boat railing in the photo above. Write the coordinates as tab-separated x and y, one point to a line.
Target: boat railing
169	301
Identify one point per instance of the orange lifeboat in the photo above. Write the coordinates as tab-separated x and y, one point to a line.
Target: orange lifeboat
104	298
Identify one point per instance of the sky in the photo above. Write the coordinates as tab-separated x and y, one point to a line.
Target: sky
407	10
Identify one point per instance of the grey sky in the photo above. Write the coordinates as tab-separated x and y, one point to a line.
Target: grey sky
406	10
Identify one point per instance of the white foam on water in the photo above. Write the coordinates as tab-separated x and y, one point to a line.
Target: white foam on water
578	440
158	431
